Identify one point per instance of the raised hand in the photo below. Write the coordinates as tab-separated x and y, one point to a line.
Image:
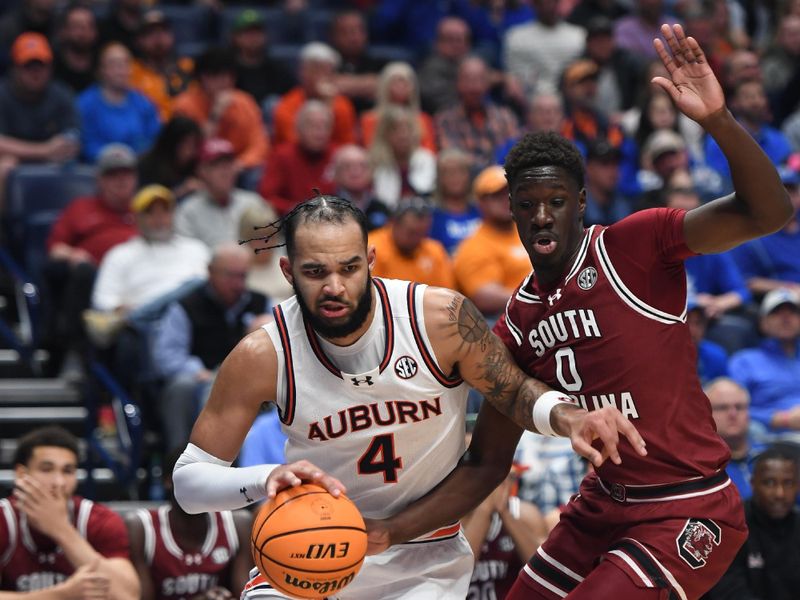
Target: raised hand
692	84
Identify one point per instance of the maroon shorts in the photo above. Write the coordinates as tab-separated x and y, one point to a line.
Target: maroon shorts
681	541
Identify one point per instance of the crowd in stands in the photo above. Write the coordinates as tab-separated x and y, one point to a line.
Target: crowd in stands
203	122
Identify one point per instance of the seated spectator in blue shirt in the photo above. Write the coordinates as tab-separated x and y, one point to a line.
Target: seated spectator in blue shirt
773	261
730	406
196	334
712	360
771	372
455	216
748	102
113	112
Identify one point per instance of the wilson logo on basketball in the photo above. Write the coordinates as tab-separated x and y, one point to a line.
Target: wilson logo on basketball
324	551
321	587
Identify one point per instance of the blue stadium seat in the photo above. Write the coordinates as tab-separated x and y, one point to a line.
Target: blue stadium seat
288	54
319	25
35	196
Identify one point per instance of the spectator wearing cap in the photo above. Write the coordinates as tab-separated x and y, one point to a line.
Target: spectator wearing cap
75	60
476	125
584	123
619	71
537	52
318	65
604	204
152	263
491	262
588	10
352	177
404	250
113	112
455	216
773	261
196	333
212	213
156	71
402	166
296	168
748	103
79	239
38	120
663	154
771	372
257	73
224	111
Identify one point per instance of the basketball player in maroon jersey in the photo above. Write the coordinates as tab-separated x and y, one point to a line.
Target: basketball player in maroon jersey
179	556
603	317
54	544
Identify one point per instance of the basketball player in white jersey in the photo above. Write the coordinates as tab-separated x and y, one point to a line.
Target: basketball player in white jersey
370	377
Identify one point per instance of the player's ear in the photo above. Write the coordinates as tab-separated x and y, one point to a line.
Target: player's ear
581	203
371	255
286	269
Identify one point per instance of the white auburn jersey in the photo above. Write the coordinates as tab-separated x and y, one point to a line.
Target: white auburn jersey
389	434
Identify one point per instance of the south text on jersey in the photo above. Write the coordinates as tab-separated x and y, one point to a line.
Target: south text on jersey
561	327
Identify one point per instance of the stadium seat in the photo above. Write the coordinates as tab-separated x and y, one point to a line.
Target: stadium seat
387	53
288	54
35	195
191	24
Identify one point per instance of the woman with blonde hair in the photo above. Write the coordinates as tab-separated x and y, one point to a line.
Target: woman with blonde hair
398	85
401	166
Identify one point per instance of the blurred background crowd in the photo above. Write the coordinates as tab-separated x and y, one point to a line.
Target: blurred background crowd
140	141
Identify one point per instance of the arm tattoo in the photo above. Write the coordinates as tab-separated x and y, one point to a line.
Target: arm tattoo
498	378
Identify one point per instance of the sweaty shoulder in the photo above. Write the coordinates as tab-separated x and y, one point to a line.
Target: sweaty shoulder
649	236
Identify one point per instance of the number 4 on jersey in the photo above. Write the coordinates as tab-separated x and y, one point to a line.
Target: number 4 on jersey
379	458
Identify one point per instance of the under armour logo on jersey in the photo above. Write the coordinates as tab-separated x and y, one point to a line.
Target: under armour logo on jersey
587	278
551	299
366	380
243	492
405	367
193	559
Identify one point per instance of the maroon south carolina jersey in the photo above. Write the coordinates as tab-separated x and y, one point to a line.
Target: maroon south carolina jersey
179	574
497	566
612	331
30	561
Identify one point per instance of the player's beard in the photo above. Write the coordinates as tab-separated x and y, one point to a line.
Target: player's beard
356	319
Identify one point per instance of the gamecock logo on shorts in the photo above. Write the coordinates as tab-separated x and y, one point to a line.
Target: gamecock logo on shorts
697	540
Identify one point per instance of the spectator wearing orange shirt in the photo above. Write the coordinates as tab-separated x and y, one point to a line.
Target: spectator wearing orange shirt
491	263
318	64
157	72
404	250
222	110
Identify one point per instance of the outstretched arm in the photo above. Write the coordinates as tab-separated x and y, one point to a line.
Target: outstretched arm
759	204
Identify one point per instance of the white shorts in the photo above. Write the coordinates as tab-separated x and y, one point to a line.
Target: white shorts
431	570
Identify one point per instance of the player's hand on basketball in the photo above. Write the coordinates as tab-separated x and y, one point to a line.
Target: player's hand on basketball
378	536
294	474
45	508
606	425
215	593
691	84
86	583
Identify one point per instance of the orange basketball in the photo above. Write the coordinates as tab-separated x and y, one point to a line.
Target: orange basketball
307	543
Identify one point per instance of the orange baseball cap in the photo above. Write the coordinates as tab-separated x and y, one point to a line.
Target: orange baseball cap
489	181
31	46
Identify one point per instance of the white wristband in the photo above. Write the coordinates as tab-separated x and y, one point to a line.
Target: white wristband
543	407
